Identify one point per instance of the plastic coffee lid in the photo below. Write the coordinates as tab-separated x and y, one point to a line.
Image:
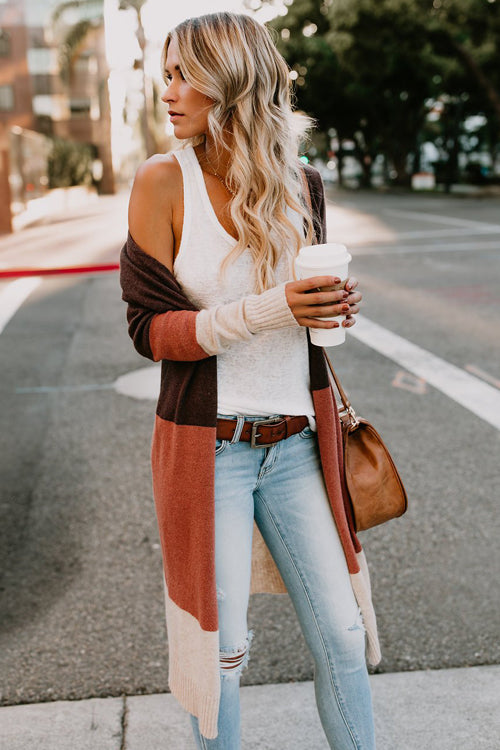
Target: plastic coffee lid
321	254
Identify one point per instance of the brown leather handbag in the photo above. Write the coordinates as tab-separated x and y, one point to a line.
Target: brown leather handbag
373	483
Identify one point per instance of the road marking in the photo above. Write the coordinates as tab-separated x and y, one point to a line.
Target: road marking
445	247
439	219
66	388
478	397
13	296
483	375
430	233
408	382
142	384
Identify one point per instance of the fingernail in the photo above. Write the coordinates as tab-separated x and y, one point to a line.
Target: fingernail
345	308
345	295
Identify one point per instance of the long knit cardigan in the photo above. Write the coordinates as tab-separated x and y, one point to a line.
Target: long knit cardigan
162	326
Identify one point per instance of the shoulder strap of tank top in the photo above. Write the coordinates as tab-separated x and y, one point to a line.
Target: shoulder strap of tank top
184	158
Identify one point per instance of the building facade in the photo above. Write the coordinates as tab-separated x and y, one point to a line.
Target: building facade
53	75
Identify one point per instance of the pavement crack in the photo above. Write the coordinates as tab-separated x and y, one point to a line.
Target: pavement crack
123	723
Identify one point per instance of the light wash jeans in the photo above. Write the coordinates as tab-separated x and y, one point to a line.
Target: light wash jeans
283	488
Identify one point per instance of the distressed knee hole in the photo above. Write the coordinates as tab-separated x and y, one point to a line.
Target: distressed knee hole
232	663
233	660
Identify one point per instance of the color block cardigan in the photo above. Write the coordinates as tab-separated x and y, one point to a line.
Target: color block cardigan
162	326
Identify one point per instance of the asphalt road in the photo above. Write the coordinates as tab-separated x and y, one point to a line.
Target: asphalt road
81	592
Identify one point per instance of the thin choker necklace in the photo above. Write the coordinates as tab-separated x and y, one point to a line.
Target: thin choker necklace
216	174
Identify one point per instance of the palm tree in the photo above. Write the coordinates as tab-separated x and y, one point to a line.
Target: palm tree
92	17
74	36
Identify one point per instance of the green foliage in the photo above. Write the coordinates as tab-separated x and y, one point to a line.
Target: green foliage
61	9
91	16
135	4
370	68
71	45
70	163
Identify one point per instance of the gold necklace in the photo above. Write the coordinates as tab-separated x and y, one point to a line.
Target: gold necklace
216	174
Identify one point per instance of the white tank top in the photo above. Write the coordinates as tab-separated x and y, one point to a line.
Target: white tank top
270	373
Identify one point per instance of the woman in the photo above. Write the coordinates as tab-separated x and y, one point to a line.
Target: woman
246	427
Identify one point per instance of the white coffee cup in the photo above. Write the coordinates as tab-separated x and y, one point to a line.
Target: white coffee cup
329	259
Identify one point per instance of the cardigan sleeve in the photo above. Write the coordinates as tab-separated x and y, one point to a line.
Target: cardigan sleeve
188	335
164	324
219	327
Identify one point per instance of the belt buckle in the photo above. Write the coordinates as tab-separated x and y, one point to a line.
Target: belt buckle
254	435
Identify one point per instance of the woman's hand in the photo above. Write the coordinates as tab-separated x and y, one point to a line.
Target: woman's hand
308	300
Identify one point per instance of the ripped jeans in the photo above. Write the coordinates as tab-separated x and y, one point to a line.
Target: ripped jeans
283	488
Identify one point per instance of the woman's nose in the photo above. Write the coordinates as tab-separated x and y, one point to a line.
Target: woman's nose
169	94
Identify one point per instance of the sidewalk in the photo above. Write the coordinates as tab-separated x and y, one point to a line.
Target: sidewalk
453	709
57	202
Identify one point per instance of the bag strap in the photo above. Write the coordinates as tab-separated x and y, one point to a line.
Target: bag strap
314	201
347	414
306	191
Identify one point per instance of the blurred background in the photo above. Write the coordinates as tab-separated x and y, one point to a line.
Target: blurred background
404	93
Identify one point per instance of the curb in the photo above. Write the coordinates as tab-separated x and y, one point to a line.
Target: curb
451	709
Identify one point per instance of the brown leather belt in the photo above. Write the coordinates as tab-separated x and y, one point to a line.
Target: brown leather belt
262	433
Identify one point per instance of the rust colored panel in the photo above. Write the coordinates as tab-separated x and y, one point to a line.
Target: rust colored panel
172	335
183	484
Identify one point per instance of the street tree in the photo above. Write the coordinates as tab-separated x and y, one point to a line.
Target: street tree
73	38
147	85
469	32
374	66
373	77
92	17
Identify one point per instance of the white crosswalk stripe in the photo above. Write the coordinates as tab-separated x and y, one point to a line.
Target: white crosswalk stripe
13	296
479	397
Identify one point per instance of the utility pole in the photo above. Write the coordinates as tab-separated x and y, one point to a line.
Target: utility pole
147	89
5	194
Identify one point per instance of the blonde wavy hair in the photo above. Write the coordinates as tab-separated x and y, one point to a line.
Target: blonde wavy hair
232	59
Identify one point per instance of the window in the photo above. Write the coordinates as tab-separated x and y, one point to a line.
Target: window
4	43
80	107
86	63
37	37
54	106
6	98
43	84
37	12
81	65
42	60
